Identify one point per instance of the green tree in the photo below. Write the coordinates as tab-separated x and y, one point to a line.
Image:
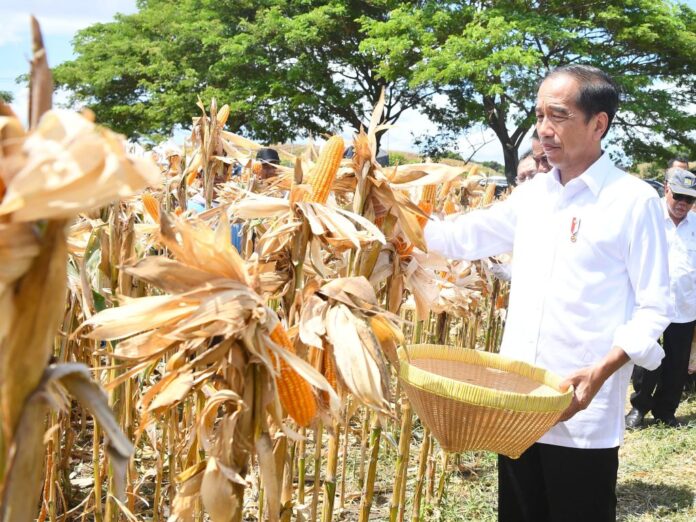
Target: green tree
485	59
6	96
286	67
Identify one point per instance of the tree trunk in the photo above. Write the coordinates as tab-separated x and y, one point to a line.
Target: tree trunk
510	157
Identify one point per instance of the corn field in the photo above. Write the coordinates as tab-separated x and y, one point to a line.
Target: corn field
150	370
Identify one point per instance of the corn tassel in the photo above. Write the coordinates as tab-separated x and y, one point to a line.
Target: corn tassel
325	170
151	206
295	393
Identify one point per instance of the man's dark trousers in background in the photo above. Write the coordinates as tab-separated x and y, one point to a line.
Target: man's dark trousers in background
660	390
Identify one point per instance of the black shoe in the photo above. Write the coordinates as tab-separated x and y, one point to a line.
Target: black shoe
670	421
634	419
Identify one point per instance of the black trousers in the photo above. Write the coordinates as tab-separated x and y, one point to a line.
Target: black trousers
556	484
660	390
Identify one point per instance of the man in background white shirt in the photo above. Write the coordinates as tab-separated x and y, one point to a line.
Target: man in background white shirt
660	390
589	294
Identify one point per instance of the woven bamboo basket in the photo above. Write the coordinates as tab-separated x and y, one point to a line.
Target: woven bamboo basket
474	400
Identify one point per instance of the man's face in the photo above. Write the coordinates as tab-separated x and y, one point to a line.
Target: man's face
268	171
526	169
567	139
681	165
678	206
540	159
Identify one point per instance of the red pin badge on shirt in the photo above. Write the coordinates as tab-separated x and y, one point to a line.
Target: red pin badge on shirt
574	228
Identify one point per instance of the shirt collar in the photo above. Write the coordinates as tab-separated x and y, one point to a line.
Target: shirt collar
594	177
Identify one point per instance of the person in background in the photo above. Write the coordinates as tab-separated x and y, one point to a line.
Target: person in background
660	390
678	162
586	301
542	162
268	159
526	168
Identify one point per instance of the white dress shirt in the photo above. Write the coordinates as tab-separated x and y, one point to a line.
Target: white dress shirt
589	272
682	265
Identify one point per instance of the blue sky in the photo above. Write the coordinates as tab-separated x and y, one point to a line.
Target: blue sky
60	19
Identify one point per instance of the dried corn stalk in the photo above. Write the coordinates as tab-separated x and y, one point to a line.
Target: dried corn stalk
65	166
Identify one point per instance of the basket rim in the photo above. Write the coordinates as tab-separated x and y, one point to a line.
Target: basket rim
480	395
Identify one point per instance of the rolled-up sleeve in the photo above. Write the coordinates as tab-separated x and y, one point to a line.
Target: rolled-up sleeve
649	276
474	235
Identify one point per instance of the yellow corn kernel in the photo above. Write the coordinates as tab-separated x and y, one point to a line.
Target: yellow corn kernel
294	392
489	194
428	194
330	367
223	114
385	331
329	370
403	247
325	170
428	209
449	207
151	206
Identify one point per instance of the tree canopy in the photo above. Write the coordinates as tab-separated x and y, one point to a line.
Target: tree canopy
286	67
292	67
486	58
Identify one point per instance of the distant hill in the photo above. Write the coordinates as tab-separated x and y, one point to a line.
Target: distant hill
402	157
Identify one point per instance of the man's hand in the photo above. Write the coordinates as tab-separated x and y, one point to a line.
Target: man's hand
588	381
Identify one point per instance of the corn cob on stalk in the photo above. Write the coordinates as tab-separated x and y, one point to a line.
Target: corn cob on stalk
428	194
403	247
446	188
222	115
151	206
330	368
325	170
295	393
489	194
426	207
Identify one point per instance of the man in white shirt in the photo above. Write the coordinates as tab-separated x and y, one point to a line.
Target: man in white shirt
589	295
660	390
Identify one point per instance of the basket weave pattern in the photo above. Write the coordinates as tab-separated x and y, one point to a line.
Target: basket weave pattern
477	400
